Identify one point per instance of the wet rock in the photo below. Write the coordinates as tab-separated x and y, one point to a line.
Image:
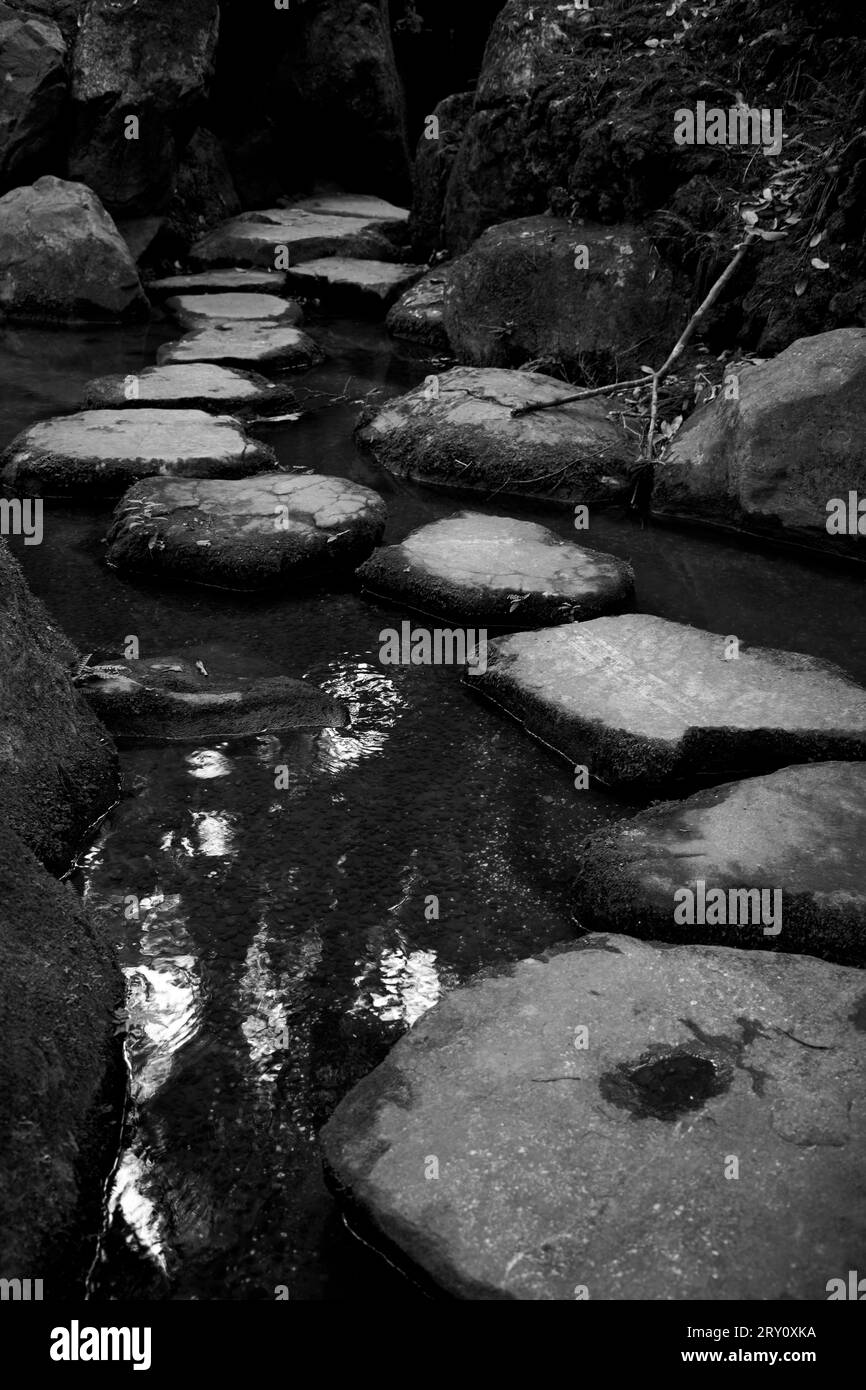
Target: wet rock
434	160
61	1072
798	836
204	194
418	314
271	532
579	1114
772	459
105	450
457	429
194	386
63	257
32	59
236	279
495	570
150	62
645	703
519	295
210	310
359	228
58	769
171	699
245	344
343	284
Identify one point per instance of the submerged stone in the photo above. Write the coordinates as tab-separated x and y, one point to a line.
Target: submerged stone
499	571
190	386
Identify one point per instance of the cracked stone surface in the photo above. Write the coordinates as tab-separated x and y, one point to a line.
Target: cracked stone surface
457	429
343	282
192	386
645	703
244	279
170	699
207	310
801	830
243	343
106	450
597	1160
499	570
268	532
340	225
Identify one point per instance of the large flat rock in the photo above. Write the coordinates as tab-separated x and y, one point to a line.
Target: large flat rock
342	283
190	386
171	699
645	703
208	310
308	233
106	450
799	832
457	430
499	571
264	533
703	1138
243	279
277	347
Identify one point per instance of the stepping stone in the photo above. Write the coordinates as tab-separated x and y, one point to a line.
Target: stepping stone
237	278
308	232
798	834
363	205
196	386
457	429
342	283
584	1110
171	699
418	314
644	703
105	451
261	534
498	571
208	310
241	344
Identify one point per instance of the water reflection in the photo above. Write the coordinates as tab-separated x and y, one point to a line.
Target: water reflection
398	986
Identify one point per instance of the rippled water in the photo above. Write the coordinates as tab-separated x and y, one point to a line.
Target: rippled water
277	941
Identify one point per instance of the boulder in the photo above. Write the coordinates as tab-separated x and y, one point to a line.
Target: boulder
204	194
772	459
63	13
103	451
305	232
353	286
644	703
588	299
148	62
498	571
63	257
61	1071
195	386
33	63
799	833
569	1128
418	314
58	769
210	310
272	532
246	281
457	430
434	160
245	344
170	699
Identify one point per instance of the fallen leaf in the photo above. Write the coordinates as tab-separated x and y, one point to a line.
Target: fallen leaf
820	265
799	288
749	217
815	239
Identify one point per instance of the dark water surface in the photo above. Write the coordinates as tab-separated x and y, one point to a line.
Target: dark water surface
284	939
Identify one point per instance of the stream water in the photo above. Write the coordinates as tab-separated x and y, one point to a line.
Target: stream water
284	939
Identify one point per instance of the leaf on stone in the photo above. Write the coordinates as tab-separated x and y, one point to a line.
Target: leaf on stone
816	239
749	216
819	264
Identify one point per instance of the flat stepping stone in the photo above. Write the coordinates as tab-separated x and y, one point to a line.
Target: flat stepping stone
171	699
195	386
342	283
644	703
308	232
207	310
418	315
584	1109
236	278
799	833
105	451
498	571
242	344
457	429
261	534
